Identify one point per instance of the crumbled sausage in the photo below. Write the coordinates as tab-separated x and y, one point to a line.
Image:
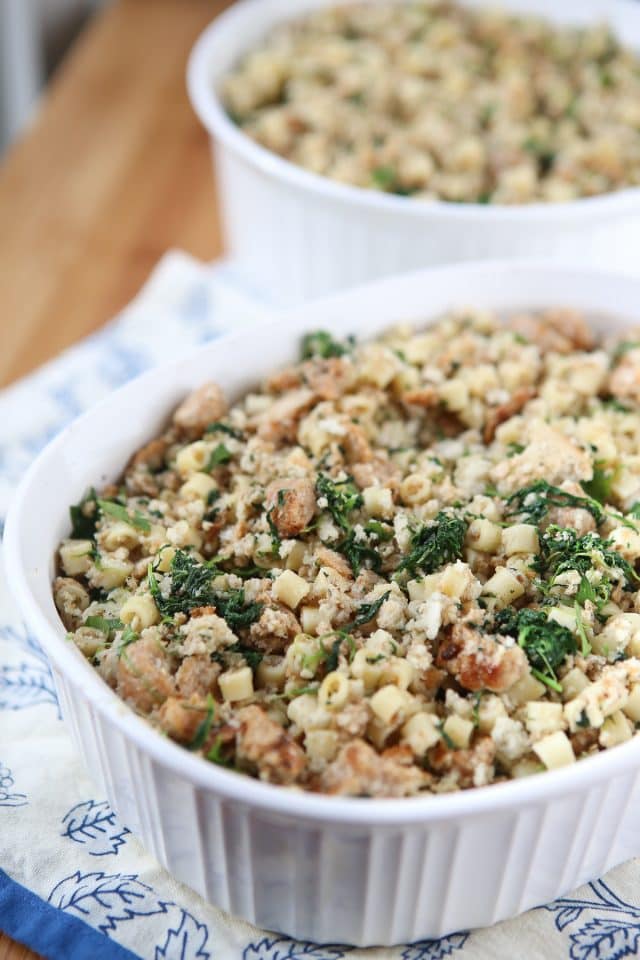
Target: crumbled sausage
144	677
291	504
263	742
359	771
205	405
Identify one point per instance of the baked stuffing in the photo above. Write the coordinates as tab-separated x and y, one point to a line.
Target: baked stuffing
401	566
436	100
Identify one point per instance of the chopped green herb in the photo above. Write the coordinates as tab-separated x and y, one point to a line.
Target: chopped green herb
367	611
624	347
445	736
534	501
514	448
546	643
384	177
127	637
204	728
219	456
383	531
104	624
84	516
322	344
119	512
342	498
217	756
190	585
434	545
359	553
599	487
582	632
583	720
251	655
614	404
562	550
218	427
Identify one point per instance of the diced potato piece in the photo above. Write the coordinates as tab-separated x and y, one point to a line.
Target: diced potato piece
555	750
303	710
504	586
565	616
526	689
388	702
520	538
621	633
290	589
573	683
483	535
454	394
421	733
197	487
456	579
192	458
626	542
543	718
526	768
616	729
458	730
632	706
321	746
310	619
111	573
236	684
378	501
75	556
422	589
295	556
490	708
271	672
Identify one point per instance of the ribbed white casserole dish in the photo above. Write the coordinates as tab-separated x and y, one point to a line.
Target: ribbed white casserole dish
324	868
298	235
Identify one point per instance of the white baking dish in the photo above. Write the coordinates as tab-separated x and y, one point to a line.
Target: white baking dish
297	235
324	868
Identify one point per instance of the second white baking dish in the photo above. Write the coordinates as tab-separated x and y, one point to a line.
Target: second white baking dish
296	235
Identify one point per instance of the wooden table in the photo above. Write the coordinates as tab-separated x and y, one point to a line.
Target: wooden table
114	171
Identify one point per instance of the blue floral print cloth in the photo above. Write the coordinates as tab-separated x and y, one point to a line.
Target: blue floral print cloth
74	882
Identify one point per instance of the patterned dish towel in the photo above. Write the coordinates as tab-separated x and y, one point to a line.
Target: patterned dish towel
74	883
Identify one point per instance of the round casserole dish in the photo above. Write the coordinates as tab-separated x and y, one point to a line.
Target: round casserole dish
323	868
296	235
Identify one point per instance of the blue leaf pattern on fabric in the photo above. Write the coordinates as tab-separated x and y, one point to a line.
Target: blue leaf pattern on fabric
435	949
606	940
94	824
185	940
8	796
106	900
613	932
281	948
30	683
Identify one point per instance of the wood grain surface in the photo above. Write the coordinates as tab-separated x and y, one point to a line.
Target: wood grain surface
114	171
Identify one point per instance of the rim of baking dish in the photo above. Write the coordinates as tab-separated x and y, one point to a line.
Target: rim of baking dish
239	787
225	32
